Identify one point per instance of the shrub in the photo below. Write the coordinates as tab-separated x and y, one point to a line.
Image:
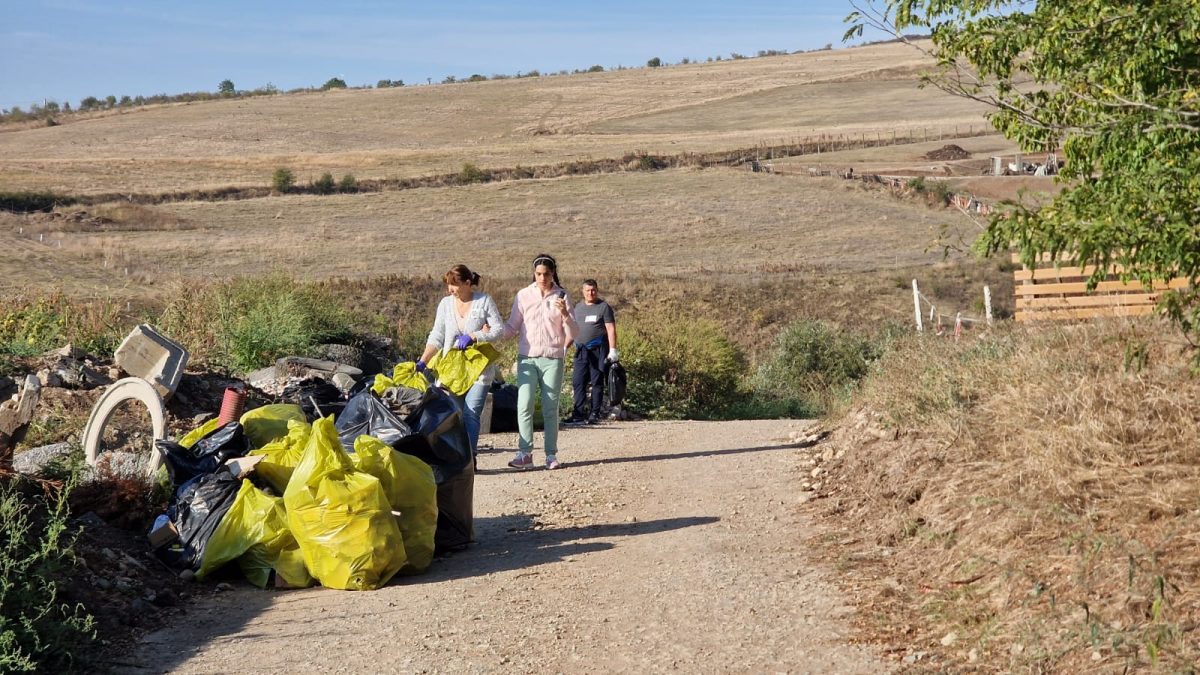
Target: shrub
917	184
324	185
348	184
246	324
473	174
282	180
38	632
226	88
681	367
654	62
815	363
334	83
33	325
596	69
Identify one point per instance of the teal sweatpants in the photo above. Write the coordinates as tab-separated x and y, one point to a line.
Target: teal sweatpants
534	372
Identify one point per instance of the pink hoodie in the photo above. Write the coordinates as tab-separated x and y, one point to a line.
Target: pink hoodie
542	330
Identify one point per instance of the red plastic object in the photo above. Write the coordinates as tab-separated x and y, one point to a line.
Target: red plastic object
232	406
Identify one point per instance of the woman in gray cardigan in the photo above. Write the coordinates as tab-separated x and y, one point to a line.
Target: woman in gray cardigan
465	316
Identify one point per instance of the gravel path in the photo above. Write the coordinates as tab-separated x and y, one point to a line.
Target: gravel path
661	546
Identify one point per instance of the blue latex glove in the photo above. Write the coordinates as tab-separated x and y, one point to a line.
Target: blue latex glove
463	341
420	366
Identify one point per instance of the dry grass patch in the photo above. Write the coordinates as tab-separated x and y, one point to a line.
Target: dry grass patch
1027	500
674	222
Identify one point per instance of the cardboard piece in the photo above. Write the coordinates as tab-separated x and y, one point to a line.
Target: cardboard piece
163	535
241	466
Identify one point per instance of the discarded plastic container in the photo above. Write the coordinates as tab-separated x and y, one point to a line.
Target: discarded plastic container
232	406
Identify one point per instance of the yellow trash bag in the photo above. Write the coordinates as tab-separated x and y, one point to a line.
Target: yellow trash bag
341	517
265	424
277	551
199	432
403	375
282	455
458	369
410	490
253	519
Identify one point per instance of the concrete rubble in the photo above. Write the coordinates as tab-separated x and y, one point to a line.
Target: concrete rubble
153	357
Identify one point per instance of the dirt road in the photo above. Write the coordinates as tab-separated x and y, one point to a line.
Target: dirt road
661	546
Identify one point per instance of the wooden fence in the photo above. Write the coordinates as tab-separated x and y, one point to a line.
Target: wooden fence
1049	292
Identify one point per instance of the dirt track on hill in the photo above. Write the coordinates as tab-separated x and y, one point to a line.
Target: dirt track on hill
661	546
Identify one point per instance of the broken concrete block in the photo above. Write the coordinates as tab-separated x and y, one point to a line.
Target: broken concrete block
33	460
263	378
153	357
297	366
14	419
49	378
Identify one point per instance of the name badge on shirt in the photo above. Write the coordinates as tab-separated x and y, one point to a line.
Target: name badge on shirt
591	319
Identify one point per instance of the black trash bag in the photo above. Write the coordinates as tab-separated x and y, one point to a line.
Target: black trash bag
456	519
195	512
504	408
439	419
206	455
366	414
316	397
617	381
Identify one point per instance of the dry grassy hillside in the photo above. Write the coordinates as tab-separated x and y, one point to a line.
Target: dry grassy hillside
420	130
671	222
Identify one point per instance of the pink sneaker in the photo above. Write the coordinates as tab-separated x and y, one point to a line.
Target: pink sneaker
552	463
522	461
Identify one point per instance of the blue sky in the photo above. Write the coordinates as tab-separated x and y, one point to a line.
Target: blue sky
65	50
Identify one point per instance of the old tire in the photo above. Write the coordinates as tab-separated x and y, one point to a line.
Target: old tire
130	388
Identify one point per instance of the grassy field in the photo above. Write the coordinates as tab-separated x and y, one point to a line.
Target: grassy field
413	131
671	222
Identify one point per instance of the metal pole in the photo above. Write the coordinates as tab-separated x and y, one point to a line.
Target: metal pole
917	306
987	303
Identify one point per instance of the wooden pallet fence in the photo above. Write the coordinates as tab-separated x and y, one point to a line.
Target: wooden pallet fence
1058	292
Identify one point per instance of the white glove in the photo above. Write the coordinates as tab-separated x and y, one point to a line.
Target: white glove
613	355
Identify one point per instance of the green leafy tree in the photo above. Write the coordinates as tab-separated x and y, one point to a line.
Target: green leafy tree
654	62
334	83
1114	84
282	180
226	88
325	184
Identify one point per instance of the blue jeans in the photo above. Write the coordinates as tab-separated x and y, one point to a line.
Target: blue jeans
472	404
472	410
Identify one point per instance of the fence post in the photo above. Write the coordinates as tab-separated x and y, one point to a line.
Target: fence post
917	306
987	303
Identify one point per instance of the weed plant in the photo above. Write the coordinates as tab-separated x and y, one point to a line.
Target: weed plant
814	364
31	325
244	324
683	366
38	632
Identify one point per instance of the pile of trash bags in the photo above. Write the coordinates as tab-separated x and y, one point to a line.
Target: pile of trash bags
346	500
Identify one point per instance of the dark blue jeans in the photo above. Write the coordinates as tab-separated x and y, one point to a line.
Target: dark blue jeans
589	370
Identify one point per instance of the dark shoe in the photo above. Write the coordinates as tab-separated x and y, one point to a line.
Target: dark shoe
573	421
593	420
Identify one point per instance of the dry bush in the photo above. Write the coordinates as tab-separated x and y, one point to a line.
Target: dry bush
1033	491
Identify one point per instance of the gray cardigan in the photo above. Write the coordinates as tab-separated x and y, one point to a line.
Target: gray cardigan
483	311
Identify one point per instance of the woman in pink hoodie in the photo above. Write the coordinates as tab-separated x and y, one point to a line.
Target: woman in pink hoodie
541	318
